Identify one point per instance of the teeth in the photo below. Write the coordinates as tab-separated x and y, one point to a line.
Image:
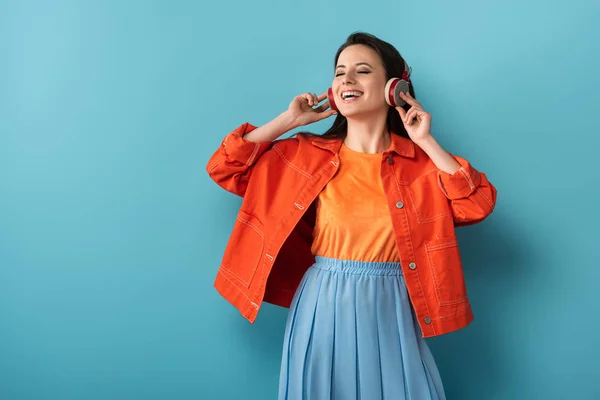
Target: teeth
346	95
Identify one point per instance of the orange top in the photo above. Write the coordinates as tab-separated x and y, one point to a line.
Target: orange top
353	219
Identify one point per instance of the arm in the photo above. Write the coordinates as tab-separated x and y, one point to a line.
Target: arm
232	163
472	197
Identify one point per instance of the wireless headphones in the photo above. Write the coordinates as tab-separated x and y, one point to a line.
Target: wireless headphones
393	87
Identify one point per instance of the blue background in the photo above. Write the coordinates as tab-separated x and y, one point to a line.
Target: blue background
111	232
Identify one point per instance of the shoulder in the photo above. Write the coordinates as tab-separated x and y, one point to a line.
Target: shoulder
301	150
304	142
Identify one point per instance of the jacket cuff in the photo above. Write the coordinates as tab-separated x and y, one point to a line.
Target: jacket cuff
237	149
460	184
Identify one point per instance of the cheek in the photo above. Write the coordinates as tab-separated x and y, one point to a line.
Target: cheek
376	92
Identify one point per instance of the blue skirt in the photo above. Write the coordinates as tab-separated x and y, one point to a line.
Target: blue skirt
351	334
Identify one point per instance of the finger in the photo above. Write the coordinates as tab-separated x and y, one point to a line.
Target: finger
417	112
409	99
418	103
402	112
326	114
415	115
315	99
322	107
322	97
407	114
308	98
410	116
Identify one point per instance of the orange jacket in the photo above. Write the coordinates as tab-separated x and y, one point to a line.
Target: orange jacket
270	245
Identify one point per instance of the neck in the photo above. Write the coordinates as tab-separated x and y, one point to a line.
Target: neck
368	136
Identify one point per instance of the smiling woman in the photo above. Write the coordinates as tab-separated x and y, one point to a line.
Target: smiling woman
394	88
353	230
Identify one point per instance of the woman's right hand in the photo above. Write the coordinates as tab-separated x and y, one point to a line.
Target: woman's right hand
301	109
299	113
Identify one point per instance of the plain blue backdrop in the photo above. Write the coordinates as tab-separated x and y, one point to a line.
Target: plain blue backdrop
111	232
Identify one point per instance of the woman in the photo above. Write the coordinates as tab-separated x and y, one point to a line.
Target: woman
353	230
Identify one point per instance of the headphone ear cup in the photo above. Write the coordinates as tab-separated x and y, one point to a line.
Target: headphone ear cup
331	100
392	92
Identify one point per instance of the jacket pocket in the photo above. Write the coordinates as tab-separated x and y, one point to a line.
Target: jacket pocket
446	269
429	202
244	249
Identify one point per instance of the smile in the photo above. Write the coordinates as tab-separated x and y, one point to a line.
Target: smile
350	95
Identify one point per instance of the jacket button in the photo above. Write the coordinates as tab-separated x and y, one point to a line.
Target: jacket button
399	204
390	160
427	320
412	265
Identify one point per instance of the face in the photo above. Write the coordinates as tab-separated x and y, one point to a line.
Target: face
359	83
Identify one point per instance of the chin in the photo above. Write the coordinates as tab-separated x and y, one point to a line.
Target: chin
362	112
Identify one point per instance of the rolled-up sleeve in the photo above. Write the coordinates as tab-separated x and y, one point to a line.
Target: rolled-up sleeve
472	197
230	166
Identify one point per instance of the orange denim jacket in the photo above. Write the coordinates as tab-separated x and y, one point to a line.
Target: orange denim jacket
270	246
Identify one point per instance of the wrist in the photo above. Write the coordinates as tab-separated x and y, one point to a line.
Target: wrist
427	143
287	121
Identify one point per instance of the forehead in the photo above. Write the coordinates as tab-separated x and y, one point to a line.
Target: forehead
358	53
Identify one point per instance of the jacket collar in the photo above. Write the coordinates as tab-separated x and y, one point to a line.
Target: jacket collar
400	145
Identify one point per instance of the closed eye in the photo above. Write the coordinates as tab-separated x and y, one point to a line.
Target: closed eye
359	72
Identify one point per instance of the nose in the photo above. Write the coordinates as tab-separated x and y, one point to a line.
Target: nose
348	78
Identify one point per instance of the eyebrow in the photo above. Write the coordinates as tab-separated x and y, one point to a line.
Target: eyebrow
360	63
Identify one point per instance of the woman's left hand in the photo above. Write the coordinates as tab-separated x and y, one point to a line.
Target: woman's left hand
417	121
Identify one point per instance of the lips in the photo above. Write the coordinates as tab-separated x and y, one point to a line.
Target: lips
350	93
349	96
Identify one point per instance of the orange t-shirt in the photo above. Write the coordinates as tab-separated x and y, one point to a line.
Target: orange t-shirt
353	218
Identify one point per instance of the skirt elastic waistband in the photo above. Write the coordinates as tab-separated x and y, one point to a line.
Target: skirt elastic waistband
358	267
